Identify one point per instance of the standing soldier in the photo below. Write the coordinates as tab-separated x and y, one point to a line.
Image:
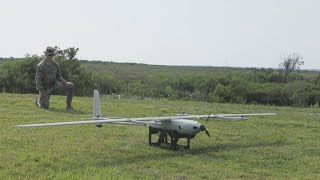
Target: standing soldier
48	78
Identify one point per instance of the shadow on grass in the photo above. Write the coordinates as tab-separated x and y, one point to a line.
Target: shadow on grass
225	147
67	111
208	150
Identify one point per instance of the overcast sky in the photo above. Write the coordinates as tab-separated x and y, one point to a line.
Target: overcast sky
242	33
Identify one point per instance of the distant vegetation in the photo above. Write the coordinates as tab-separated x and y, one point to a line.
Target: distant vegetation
284	87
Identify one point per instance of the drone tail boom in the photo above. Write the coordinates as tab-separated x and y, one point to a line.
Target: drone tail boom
96	107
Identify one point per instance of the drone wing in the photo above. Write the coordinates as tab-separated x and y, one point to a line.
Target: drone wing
234	116
147	120
98	120
94	120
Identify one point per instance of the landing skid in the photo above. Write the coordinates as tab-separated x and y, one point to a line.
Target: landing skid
163	139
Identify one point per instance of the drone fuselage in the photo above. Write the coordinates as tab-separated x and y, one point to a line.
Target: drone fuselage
175	129
183	127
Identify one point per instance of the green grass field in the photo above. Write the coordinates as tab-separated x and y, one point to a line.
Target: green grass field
286	146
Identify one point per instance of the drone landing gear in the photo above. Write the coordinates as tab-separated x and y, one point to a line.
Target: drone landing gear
163	139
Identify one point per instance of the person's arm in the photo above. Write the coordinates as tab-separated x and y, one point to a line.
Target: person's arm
59	77
38	78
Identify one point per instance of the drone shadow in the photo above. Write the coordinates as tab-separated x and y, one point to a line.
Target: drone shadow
66	111
209	151
225	147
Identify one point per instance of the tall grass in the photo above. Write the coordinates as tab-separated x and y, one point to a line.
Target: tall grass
286	146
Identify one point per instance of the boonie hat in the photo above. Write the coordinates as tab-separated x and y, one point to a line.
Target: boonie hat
50	51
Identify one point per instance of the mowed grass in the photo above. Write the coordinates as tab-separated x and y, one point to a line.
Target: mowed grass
286	146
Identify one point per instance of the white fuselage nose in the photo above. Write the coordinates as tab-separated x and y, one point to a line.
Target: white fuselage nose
181	126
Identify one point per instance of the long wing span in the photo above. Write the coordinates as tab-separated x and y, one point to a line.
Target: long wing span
234	115
71	123
129	121
98	120
240	116
141	121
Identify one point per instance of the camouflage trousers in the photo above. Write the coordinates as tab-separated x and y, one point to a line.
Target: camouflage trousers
43	101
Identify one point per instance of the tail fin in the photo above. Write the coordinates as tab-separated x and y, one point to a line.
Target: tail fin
96	107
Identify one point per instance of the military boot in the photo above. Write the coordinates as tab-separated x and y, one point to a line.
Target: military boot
42	102
68	105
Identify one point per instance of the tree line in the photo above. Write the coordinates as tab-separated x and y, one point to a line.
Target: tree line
283	87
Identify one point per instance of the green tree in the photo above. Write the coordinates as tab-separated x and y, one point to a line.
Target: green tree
71	53
66	54
290	63
18	75
204	86
222	94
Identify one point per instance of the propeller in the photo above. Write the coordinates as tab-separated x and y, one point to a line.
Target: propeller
208	118
203	128
207	132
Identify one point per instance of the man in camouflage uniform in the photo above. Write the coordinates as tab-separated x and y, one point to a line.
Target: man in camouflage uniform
48	78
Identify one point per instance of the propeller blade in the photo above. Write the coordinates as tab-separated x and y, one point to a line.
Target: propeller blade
203	128
208	118
207	132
